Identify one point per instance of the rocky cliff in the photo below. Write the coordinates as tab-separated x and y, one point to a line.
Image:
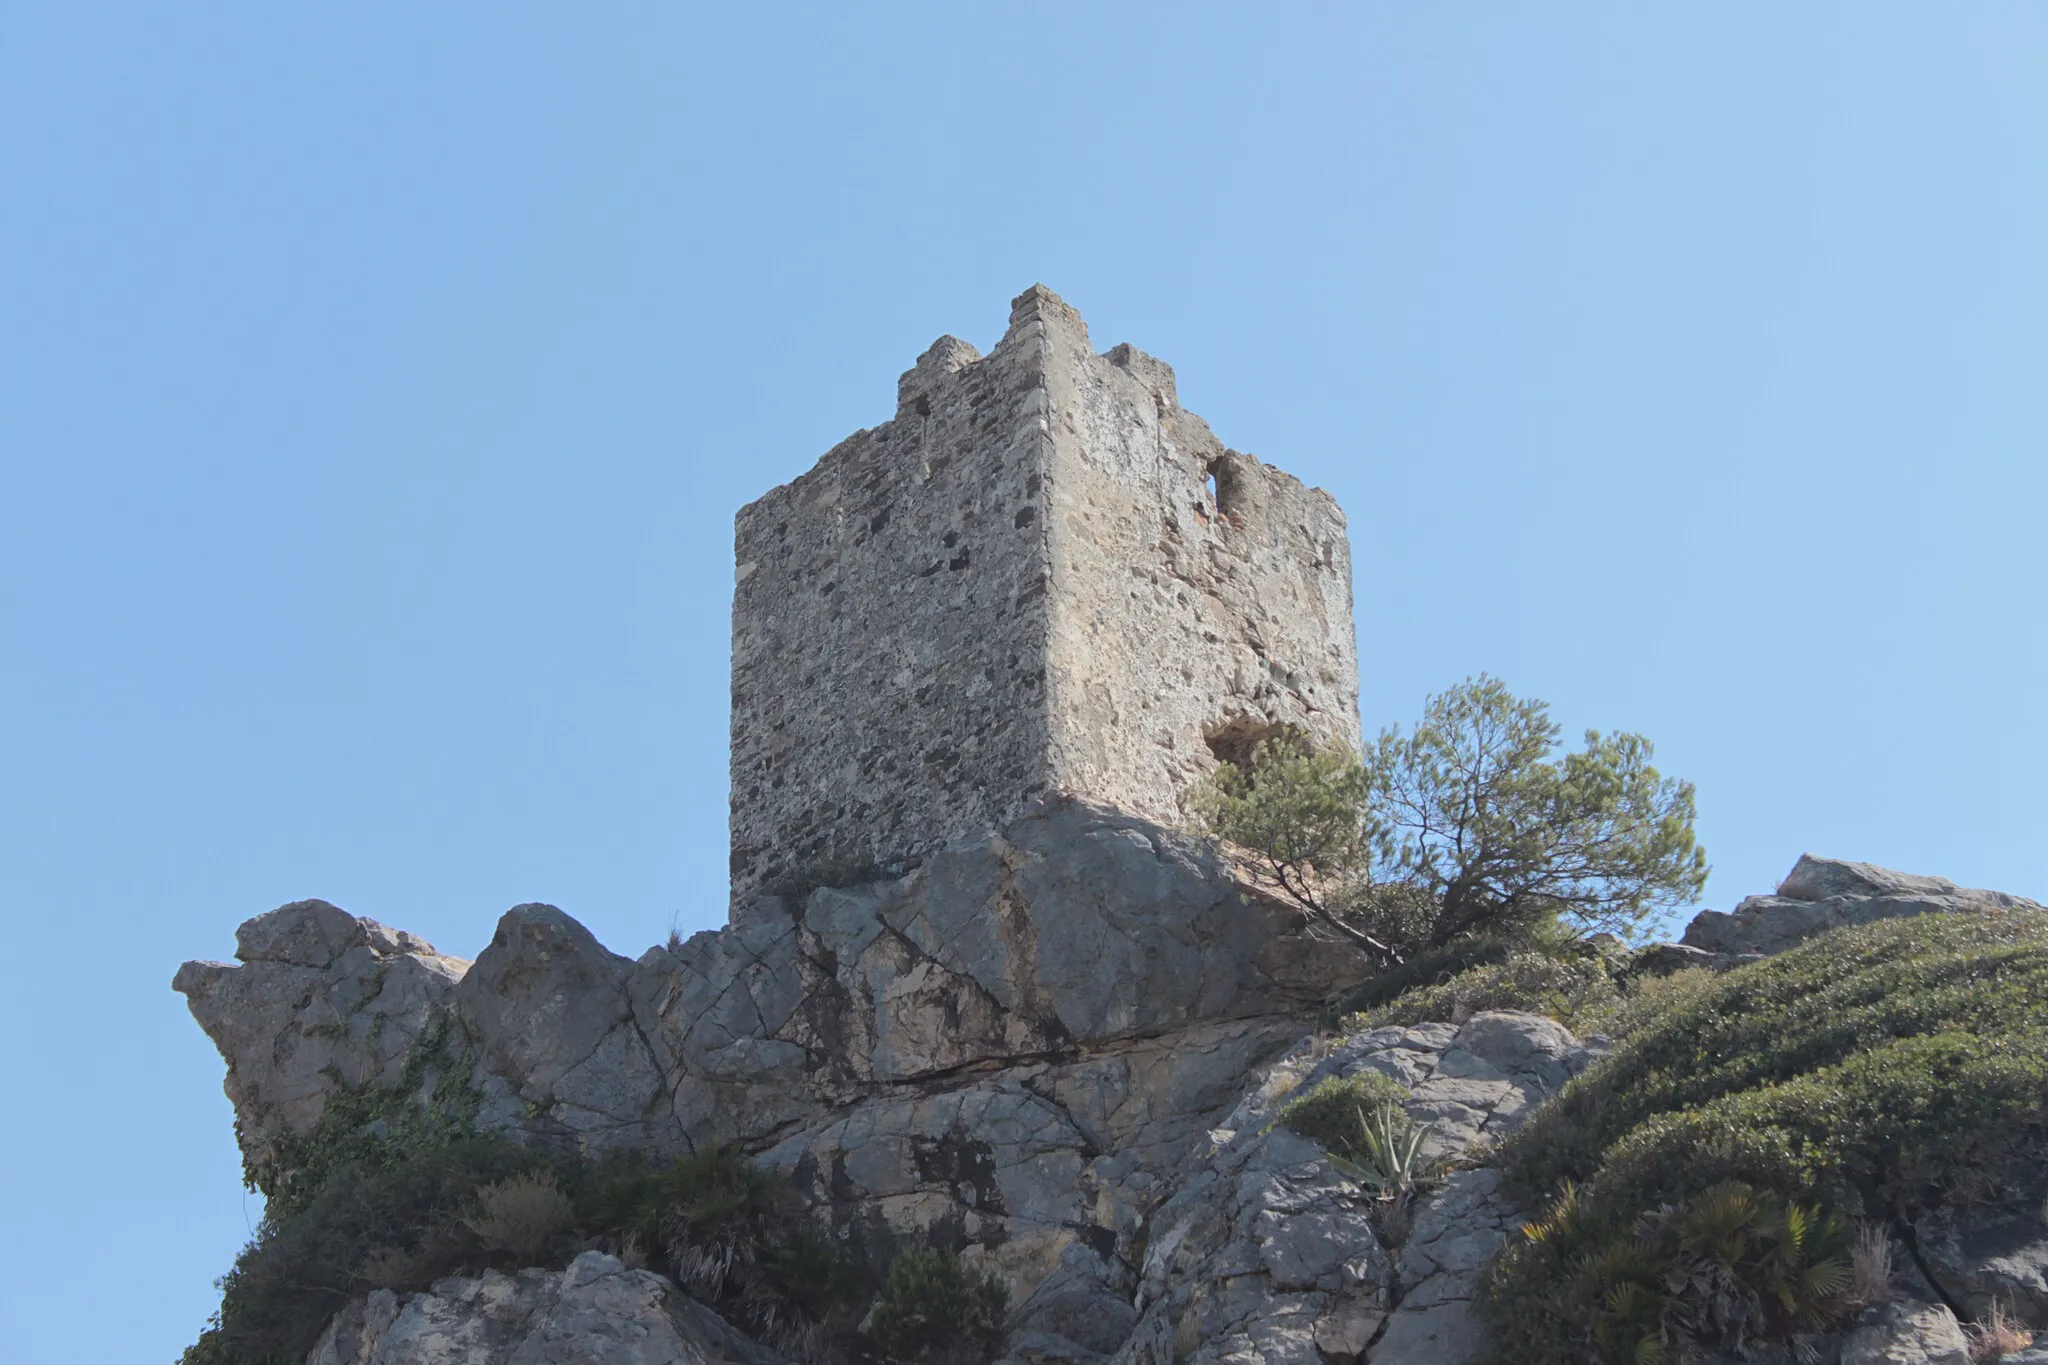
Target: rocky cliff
1060	1049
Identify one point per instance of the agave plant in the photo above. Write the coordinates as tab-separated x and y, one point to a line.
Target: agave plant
1392	1161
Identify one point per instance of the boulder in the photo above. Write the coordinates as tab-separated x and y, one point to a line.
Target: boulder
597	1312
556	1043
320	1001
1907	1334
1826	893
1990	1255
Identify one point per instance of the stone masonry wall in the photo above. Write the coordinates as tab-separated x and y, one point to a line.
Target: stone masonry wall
1022	585
889	632
1201	599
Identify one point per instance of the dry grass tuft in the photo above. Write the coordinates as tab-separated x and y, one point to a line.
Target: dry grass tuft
1998	1336
522	1215
1870	1264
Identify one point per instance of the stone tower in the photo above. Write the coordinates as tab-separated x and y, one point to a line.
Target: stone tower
1042	577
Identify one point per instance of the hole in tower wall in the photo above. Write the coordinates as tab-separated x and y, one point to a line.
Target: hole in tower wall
1234	740
1225	486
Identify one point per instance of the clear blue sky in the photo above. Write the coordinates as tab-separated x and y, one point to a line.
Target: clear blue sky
378	383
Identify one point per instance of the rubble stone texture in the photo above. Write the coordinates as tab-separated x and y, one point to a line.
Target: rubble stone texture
1043	576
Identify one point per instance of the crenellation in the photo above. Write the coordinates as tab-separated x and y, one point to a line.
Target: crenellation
1042	576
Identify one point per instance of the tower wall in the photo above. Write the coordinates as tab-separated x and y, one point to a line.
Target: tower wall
1201	599
1021	585
889	631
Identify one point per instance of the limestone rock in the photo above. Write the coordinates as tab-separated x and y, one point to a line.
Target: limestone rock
1085	1300
1048	1348
1265	1254
1077	939
320	1000
1907	1334
596	1312
1826	893
552	1019
1469	1083
1987	1255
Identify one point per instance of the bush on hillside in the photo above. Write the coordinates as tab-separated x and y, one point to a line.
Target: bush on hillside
713	1214
385	1226
521	1216
402	1218
1874	1072
1576	991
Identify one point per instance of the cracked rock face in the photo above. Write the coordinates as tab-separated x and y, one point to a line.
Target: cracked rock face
1076	936
1061	1048
320	1000
1266	1255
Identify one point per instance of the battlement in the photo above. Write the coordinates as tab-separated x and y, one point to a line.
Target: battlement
1042	577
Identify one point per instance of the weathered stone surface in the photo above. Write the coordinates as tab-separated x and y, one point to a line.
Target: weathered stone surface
991	1164
552	1019
1075	927
1663	959
1266	1254
1085	1300
321	999
1047	1348
1907	1334
1990	1255
1826	893
596	1312
1021	585
1470	1083
1078	939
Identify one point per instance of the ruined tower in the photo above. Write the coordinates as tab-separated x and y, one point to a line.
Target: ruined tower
1042	577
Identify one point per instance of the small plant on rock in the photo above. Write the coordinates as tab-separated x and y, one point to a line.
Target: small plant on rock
1393	1162
1336	1111
937	1310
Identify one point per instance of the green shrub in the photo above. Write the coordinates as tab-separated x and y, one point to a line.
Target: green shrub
1729	1267
712	1213
374	1126
1433	967
1572	990
384	1226
935	1309
1394	1162
1875	1071
1337	1111
403	1215
1646	999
